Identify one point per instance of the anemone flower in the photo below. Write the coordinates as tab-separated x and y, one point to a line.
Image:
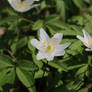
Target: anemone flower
22	5
87	40
49	47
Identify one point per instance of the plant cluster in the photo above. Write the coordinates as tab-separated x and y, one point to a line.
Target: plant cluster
55	66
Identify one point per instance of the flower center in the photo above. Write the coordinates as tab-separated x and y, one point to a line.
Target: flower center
49	46
90	42
20	5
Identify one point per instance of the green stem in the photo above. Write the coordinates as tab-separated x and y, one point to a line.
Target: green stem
45	68
89	59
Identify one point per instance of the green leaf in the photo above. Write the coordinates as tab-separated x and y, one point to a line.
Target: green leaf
19	44
83	90
75	48
1	89
51	18
90	2
79	3
61	88
27	65
75	66
78	20
7	76
58	24
38	63
60	4
58	65
5	61
74	85
43	5
10	11
39	74
38	24
26	78
31	48
81	72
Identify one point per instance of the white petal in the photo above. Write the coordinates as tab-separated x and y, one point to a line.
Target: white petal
43	34
50	57
59	53
24	9
86	35
36	43
14	1
36	0
17	1
40	55
29	2
80	38
30	7
60	49
83	40
88	49
34	5
63	46
58	37
13	4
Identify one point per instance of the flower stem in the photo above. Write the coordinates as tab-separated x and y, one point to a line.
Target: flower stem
29	21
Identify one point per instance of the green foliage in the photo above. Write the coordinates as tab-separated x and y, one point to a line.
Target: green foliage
7	70
26	78
20	71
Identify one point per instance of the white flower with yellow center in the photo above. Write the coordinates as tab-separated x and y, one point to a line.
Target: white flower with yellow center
87	40
49	47
22	5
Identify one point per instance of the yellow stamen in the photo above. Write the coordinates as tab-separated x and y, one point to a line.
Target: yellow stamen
49	47
23	3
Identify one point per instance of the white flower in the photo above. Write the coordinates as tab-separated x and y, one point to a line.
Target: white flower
49	47
22	5
87	40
